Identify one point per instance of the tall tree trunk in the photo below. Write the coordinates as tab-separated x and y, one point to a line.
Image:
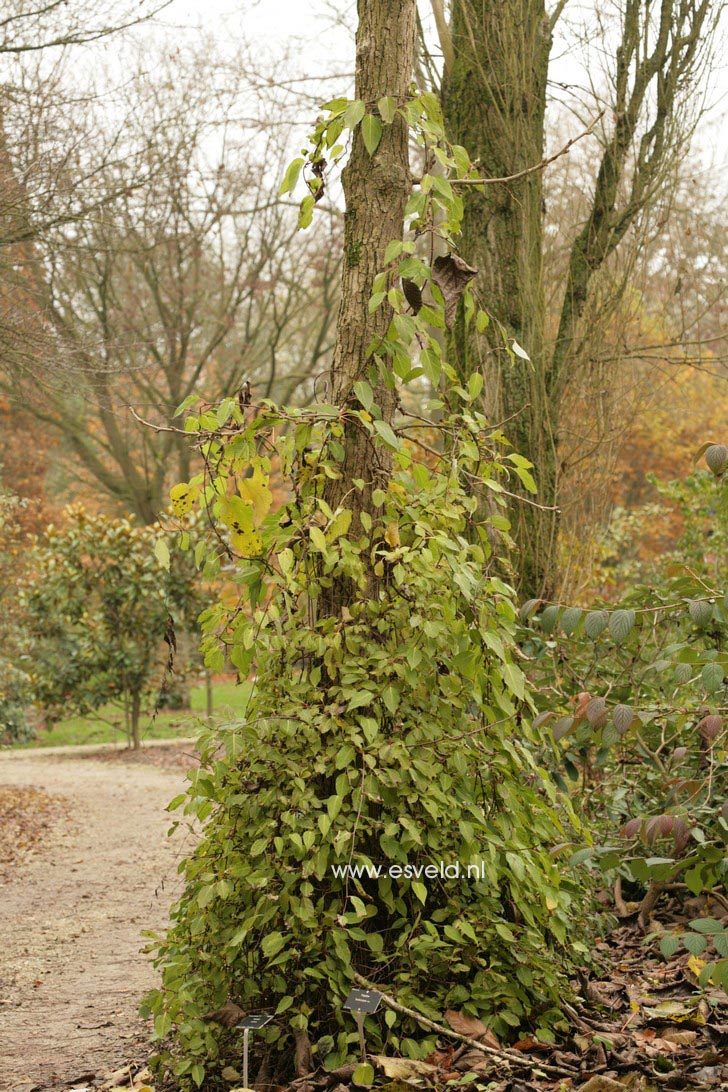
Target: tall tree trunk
494	100
376	188
136	708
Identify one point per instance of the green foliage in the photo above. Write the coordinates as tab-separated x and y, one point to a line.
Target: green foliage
702	502
97	603
637	701
15	697
391	732
395	734
15	692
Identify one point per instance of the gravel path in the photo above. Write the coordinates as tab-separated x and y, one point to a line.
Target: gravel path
71	970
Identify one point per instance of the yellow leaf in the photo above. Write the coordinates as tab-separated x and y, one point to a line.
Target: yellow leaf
695	965
237	514
391	535
248	543
183	496
256	491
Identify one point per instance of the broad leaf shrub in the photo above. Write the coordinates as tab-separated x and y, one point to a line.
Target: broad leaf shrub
635	696
98	597
393	730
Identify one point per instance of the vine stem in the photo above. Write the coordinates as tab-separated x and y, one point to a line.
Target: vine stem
508	1056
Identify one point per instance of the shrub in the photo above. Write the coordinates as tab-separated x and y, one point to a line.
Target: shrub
395	734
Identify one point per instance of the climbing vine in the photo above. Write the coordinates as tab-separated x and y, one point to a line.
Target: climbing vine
392	733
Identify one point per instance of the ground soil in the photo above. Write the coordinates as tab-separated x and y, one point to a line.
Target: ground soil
72	905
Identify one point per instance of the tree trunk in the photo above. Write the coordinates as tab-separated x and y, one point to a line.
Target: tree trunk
136	705
494	100
376	188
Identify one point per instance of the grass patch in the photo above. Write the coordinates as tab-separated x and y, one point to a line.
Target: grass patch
108	725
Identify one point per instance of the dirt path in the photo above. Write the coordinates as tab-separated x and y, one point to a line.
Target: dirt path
71	972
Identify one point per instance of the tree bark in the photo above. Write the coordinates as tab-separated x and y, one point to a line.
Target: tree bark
494	101
376	188
136	706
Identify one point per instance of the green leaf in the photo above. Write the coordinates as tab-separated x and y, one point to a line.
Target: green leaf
706	925
371	131
475	385
161	552
701	612
305	215
420	891
712	676
462	165
385	432
669	945
387	107
620	625
317	538
272	944
549	618
595	623
570	620
354	113
162	1025
365	394
390	697
185	405
695	943
394	249
290	178
363	1075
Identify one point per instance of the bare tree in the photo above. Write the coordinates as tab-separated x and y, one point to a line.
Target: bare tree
187	277
30	26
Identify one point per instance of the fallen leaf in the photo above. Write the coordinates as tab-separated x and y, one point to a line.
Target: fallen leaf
474	1062
602	1084
472	1027
402	1069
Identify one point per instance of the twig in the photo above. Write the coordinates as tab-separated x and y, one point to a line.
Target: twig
529	170
156	428
619	903
503	1055
648	904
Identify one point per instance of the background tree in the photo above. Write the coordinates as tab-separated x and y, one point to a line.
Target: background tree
495	93
15	690
186	279
99	607
29	27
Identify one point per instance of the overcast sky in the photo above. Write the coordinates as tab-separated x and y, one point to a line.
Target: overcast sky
304	30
